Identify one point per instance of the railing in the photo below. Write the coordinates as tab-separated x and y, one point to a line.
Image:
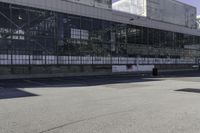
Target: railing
16	59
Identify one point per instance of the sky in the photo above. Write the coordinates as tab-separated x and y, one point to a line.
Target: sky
195	3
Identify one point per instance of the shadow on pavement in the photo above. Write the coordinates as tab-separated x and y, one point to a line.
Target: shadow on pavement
72	81
14	88
14	93
192	90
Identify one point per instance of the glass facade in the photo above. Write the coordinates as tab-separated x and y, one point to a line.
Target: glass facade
42	36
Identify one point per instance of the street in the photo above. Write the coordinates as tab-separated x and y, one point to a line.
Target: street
101	104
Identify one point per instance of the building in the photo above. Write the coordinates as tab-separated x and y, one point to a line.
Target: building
107	4
198	22
137	7
62	37
170	11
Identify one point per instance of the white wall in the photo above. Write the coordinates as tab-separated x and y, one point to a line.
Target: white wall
132	68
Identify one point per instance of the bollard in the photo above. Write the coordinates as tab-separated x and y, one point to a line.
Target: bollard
155	72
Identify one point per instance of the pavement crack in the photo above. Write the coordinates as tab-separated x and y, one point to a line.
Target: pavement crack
87	119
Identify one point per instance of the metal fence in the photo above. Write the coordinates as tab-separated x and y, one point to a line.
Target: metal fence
30	59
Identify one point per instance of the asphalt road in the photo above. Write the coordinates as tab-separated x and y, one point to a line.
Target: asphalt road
101	104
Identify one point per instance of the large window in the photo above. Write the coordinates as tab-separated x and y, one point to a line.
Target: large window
34	31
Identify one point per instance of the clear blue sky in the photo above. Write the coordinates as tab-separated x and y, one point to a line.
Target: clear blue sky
195	3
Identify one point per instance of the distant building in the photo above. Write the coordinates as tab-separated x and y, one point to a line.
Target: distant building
94	3
170	11
86	37
198	22
137	7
